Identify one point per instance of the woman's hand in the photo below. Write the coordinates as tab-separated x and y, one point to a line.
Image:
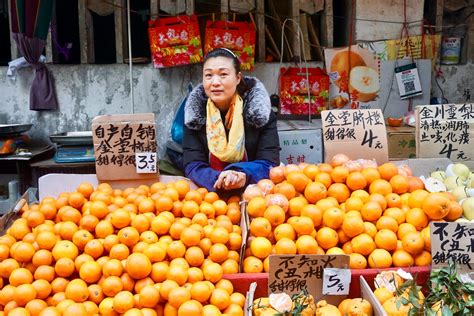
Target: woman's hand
230	180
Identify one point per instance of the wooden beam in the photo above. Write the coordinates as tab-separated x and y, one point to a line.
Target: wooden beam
261	30
272	43
296	41
277	25
120	17
439	15
328	25
50	56
225	10
154	9
314	39
189	7
13	46
305	45
86	34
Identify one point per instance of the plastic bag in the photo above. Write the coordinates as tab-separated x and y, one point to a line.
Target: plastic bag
177	128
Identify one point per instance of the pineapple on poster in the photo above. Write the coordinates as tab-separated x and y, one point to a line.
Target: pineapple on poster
239	37
175	41
294	93
354	75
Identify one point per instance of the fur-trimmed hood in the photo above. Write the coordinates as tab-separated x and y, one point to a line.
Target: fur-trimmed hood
257	105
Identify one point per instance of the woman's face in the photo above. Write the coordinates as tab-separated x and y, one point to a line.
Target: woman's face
220	81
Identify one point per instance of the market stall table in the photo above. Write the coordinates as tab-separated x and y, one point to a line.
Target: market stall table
242	281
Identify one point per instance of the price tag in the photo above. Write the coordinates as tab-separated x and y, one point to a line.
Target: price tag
336	281
146	162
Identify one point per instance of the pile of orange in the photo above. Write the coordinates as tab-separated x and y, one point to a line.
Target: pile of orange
150	250
377	215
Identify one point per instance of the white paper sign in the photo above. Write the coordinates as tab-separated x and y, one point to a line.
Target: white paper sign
336	281
408	81
146	162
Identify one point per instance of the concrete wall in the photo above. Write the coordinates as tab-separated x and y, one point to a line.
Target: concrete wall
85	91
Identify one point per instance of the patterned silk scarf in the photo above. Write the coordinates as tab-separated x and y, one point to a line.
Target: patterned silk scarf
232	149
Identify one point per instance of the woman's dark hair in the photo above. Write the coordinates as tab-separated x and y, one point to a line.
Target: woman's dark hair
225	52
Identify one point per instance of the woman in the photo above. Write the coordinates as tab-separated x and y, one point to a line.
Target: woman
230	137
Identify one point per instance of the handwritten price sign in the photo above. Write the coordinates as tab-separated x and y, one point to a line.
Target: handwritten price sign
336	281
146	162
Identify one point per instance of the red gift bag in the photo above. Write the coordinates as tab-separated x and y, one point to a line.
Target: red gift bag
294	91
236	36
175	41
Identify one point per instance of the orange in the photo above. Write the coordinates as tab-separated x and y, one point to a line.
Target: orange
256	206
339	191
237	298
43	288
399	184
35	218
436	205
220	298
200	291
284	230
395	213
416	198
383	294
425	235
357	261
165	202
22	251
353	204
260	227
76	200
96	294
275	215
315	191
261	247
90	272
123	301
178	296
313	212
35	306
356	181
363	244
44	273
218	253
380	186
111	285
455	211
306	244
252	265
296	204
190	308
298	179
417	218
413	243
77	291
339	174
333	217
65	249
423	258
190	237
393	200
220	207
213	272
401	258
371	174
103	229
386	239
380	258
138	265
94	248
387	170
371	211
387	222
285	246
327	237
310	171
303	225
415	183
20	276
324	178
353	226
286	189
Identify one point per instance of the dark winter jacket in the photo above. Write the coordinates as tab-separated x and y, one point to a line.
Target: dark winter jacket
261	137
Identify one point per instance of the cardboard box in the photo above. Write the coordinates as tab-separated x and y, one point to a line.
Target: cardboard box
401	142
300	141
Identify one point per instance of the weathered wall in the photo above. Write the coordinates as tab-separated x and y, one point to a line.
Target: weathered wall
457	80
371	17
85	91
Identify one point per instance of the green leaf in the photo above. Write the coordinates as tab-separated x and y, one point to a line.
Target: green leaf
447	311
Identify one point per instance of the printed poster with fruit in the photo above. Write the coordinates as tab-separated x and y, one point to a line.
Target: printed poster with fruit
175	41
294	96
239	37
354	77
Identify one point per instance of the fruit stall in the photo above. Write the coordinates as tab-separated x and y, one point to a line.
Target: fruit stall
169	247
